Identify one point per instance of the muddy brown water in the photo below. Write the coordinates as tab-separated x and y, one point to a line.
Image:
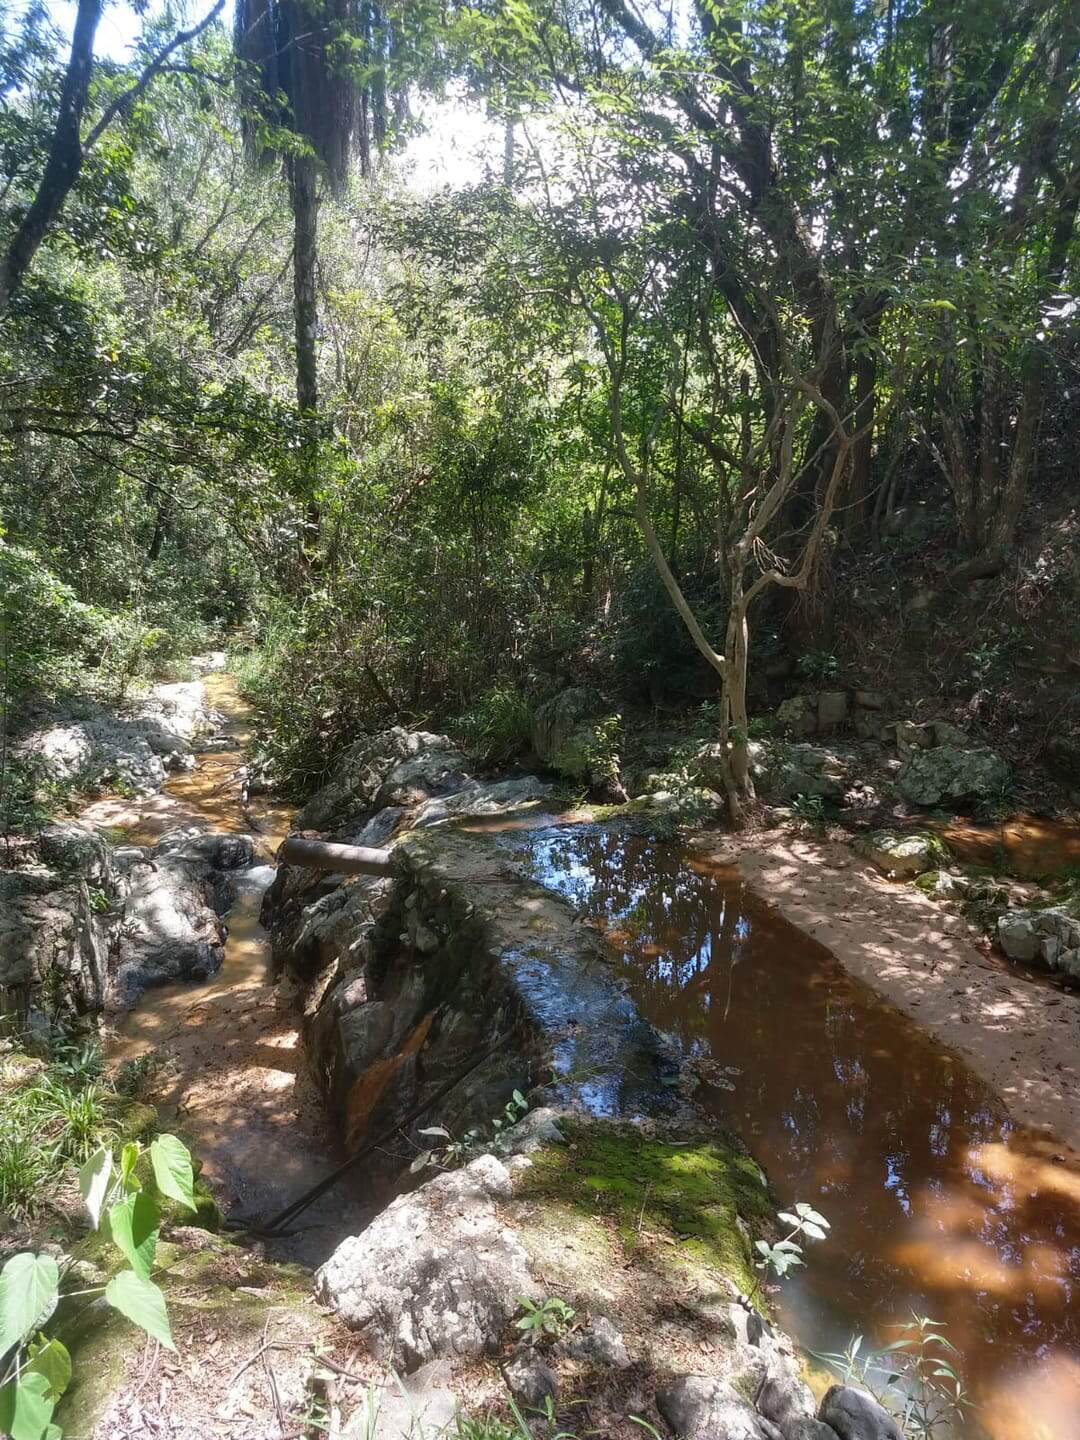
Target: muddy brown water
938	1203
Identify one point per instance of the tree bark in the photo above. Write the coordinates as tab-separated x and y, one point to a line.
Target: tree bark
65	156
303	188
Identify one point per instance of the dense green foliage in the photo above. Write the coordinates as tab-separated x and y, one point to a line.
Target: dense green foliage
745	288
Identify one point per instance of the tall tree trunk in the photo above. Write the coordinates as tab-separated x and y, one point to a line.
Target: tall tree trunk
65	156
303	187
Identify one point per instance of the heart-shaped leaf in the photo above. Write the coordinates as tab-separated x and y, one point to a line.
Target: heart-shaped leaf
25	1408
133	1222
29	1285
142	1303
172	1170
94	1179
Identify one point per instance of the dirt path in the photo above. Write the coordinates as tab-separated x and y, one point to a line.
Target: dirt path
1019	1033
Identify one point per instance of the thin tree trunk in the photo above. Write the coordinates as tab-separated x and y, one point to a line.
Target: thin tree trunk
65	154
303	182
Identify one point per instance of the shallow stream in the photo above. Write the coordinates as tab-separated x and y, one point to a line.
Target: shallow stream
229	1065
938	1203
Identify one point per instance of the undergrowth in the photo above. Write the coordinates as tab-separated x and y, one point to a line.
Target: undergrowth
53	1116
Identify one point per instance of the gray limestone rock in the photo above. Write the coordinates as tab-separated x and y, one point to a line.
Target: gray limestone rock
698	1407
855	1415
436	1273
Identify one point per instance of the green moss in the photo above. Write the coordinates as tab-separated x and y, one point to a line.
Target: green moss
693	1194
138	1122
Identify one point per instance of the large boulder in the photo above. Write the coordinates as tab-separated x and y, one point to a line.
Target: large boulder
436	1274
699	1407
900	856
573	734
499	797
171	928
67	846
53	947
947	773
798	716
136	747
783	771
391	768
855	1415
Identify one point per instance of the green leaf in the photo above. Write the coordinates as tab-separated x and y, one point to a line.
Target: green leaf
51	1359
814	1231
133	1222
29	1285
25	1408
172	1170
129	1158
94	1179
142	1303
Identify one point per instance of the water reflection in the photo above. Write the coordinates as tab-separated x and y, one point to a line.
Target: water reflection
938	1203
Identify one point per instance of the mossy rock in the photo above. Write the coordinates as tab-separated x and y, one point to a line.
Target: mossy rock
672	1206
138	1122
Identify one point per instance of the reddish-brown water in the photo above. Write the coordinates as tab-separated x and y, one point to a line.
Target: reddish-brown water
938	1202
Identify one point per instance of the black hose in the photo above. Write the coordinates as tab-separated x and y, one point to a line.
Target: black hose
273	1226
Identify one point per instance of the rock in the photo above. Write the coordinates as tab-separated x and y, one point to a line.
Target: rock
784	1397
1050	934
869	700
943	885
535	1130
411	1407
480	799
413	764
855	1415
947	773
219	851
1017	935
832	709
799	715
783	771
170	928
946	733
900	856
811	1430
599	1344
65	845
699	1408
98	747
570	735
531	1380
436	1273
53	949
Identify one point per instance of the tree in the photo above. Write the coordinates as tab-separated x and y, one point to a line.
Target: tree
67	149
314	94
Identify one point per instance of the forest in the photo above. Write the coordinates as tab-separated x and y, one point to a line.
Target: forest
578	447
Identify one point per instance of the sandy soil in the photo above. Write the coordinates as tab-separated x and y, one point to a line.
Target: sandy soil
1018	1032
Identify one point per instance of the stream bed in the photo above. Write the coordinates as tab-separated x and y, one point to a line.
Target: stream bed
938	1203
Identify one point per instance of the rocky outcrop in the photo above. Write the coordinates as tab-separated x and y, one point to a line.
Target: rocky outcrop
573	734
436	1274
53	946
699	1407
947	773
173	899
394	767
782	771
137	747
1048	935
